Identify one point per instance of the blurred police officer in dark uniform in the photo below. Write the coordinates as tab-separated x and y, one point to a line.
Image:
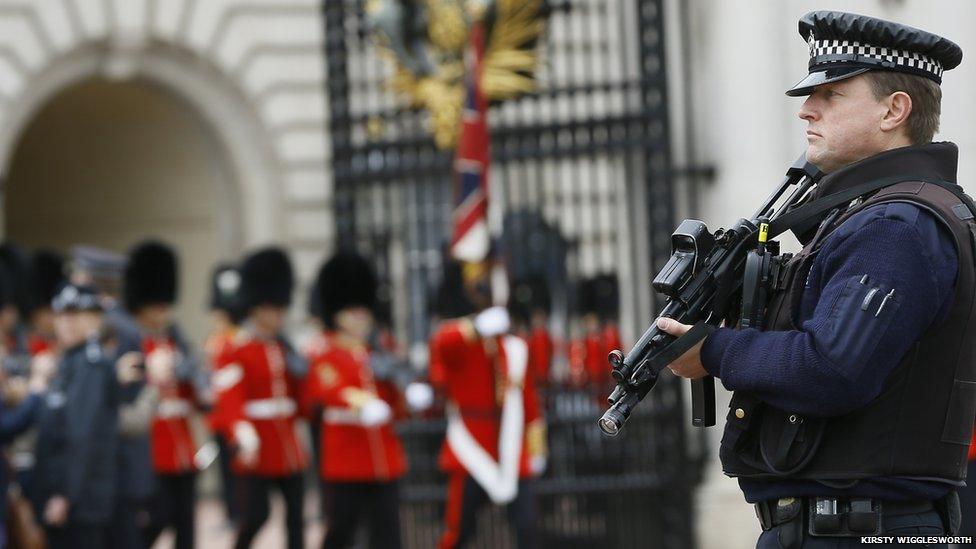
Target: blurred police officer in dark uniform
78	435
103	270
852	412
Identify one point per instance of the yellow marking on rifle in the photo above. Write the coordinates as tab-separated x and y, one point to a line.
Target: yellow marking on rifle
763	232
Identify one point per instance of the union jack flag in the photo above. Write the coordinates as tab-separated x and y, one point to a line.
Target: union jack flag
470	239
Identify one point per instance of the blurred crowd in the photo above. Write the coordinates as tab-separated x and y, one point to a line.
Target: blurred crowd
109	413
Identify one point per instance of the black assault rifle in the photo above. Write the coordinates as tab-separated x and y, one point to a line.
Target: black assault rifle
702	283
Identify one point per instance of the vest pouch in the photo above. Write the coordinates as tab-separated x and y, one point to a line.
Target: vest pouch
959	416
740	440
788	441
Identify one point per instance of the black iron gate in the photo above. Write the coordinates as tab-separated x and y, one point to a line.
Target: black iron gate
580	182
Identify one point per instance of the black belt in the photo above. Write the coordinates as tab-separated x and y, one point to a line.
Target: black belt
772	513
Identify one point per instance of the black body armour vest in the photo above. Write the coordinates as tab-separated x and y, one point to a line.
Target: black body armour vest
921	423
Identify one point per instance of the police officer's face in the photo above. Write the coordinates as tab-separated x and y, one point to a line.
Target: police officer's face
74	327
846	123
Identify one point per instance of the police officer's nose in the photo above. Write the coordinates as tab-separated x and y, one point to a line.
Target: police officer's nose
807	112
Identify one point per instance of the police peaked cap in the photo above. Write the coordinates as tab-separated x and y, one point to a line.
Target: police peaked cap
345	280
47	275
150	276
98	262
76	297
843	45
267	278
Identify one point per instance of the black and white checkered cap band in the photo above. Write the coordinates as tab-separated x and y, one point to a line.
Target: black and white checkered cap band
835	51
70	299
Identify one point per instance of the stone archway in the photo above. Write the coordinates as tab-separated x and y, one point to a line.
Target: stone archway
111	163
252	70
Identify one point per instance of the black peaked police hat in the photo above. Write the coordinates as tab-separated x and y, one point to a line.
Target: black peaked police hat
843	45
76	297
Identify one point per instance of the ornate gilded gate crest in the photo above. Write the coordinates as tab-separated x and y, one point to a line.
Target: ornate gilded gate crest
427	40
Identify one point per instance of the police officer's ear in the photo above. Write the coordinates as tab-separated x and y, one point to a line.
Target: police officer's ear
899	106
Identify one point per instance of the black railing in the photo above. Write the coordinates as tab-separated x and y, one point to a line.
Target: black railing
582	180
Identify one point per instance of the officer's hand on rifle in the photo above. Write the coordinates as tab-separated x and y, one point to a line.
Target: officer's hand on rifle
689	364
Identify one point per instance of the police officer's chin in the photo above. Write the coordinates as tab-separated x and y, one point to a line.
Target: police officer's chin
819	157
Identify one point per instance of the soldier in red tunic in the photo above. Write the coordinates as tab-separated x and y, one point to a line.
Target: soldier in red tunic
496	435
529	305
598	318
257	392
361	455
150	291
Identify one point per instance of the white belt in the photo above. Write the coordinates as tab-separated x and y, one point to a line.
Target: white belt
171	408
269	408
341	416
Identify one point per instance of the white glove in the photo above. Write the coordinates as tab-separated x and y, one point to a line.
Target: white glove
375	411
537	464
492	321
160	366
419	396
248	443
206	455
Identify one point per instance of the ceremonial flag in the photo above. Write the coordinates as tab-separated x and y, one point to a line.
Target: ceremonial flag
470	239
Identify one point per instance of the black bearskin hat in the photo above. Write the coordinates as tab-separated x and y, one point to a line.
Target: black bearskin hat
225	291
599	295
150	276
606	296
345	280
266	278
450	299
47	276
314	308
17	264
527	296
7	292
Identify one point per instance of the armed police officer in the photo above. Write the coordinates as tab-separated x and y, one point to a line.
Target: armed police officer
852	411
77	431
